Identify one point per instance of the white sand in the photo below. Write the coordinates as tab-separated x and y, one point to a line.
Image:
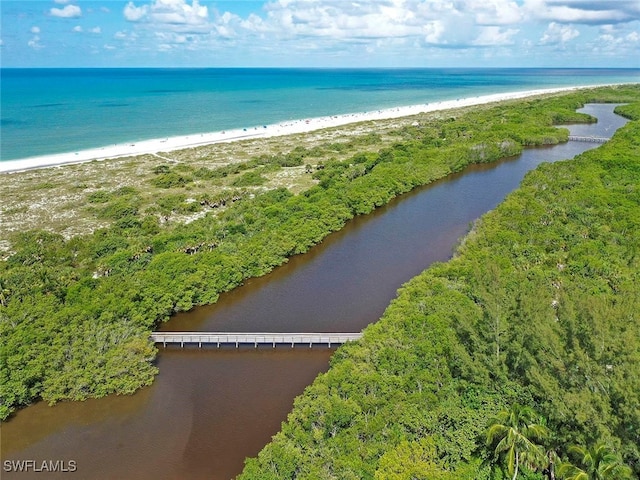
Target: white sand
286	128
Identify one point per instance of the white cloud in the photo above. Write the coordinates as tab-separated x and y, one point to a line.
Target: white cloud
172	14
433	32
133	13
35	30
70	11
633	37
558	34
79	29
590	12
493	12
451	23
35	43
495	36
109	47
124	37
614	41
618	31
368	25
227	25
608	28
254	23
342	20
411	29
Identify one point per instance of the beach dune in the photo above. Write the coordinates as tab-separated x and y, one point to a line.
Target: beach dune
286	128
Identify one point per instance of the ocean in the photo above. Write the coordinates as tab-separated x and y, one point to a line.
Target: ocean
48	111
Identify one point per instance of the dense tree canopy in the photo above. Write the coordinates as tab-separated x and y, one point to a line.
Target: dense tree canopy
558	262
75	315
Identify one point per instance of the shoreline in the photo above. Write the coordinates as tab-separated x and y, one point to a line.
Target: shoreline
169	144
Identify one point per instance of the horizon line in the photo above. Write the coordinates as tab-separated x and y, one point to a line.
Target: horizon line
122	67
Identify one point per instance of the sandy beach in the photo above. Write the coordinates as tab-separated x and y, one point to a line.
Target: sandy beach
169	144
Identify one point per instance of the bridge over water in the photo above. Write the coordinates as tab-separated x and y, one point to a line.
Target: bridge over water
578	138
255	339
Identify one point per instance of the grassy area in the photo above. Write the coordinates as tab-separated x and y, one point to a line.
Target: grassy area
66	199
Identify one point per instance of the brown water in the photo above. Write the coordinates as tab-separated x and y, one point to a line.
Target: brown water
209	409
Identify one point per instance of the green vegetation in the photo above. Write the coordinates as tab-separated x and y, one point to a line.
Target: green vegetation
599	463
538	308
76	313
513	432
248	179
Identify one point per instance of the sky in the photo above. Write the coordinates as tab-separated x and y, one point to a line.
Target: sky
320	33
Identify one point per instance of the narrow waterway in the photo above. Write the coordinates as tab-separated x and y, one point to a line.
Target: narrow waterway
209	409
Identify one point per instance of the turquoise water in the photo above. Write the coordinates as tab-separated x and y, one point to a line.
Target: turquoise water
46	111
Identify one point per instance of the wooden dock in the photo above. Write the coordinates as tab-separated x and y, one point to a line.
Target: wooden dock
577	138
255	339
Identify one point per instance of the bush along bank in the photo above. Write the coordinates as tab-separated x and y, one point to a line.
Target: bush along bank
75	315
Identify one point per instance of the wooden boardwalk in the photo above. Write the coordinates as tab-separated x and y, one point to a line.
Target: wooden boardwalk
255	339
577	138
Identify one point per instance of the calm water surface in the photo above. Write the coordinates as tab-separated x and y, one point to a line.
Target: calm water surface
209	409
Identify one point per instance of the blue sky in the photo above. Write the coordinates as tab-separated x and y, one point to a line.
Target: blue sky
320	33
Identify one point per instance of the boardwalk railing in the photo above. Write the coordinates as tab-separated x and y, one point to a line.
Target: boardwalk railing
255	339
577	138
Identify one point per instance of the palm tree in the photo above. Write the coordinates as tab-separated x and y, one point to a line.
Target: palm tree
599	463
514	432
552	460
